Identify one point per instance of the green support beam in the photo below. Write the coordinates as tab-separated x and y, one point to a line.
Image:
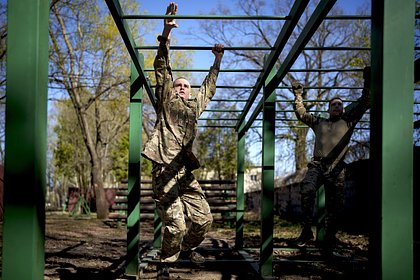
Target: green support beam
285	33
392	138
321	11
211	17
122	25
267	190
238	70
279	87
157	232
25	145
134	171
240	188
239	17
314	22
248	48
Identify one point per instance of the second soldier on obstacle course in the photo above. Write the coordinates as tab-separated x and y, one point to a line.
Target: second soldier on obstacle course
327	166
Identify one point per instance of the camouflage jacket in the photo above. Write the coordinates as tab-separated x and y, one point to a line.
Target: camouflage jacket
176	122
332	136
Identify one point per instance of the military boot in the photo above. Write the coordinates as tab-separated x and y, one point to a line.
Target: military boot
305	236
193	256
162	271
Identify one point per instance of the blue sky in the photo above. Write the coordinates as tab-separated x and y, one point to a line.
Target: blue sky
202	59
190	7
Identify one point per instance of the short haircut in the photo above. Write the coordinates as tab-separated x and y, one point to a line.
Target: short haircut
181	78
334	98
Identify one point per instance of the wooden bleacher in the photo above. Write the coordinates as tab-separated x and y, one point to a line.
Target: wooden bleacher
220	194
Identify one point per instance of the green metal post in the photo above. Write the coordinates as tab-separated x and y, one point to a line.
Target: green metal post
320	213
122	25
284	35
392	137
240	201
267	191
157	237
25	145
134	174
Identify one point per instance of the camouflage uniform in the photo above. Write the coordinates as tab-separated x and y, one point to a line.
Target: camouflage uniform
170	149
327	166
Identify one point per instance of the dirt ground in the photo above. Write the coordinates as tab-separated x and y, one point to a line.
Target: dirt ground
87	248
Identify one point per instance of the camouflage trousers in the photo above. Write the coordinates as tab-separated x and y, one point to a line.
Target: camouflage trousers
333	181
177	193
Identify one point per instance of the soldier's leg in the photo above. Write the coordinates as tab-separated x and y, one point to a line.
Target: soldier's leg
334	200
310	185
173	230
197	210
170	210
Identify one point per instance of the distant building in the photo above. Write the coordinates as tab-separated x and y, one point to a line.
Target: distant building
252	179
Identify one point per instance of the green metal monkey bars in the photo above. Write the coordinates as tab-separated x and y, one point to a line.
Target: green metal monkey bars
391	131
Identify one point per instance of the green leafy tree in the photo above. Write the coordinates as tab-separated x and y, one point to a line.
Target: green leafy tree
90	64
216	148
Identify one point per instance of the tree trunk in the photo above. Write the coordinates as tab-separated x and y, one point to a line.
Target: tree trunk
98	187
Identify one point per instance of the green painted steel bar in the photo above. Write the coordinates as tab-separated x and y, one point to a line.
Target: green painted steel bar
251	48
327	70
223	110
292	111
204	70
258	119
296	120
240	188
336	48
277	127
26	140
280	87
134	167
315	20
284	35
116	12
320	214
240	17
253	116
303	126
216	126
157	232
218	119
348	17
221	86
392	138
311	100
225	87
267	180
228	100
208	48
259	70
322	87
212	17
